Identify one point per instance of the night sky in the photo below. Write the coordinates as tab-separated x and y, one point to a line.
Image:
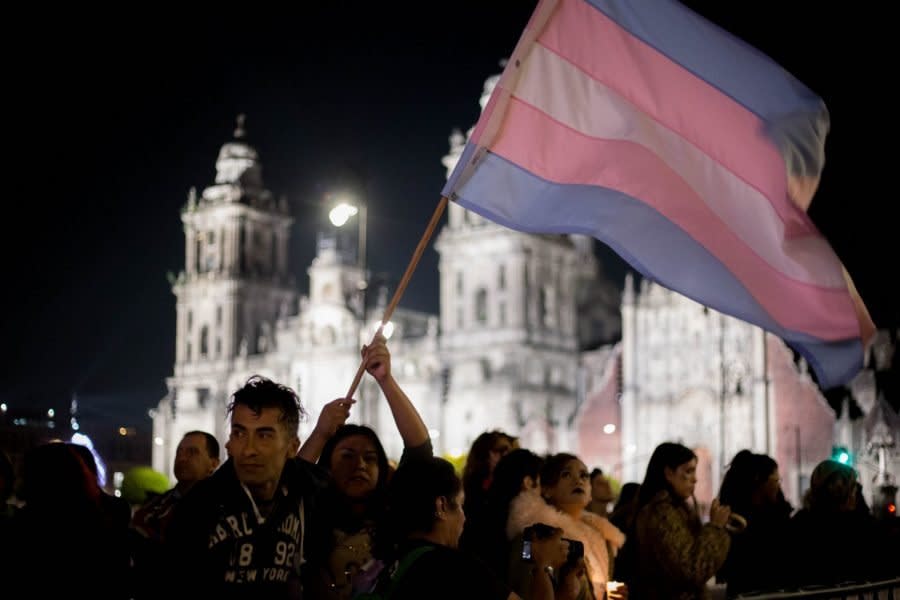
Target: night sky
114	118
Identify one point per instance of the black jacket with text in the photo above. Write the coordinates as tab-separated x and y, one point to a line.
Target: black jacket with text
219	545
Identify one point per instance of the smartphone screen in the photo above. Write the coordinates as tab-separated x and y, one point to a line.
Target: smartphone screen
526	550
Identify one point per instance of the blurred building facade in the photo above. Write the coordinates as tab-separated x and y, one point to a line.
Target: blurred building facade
505	350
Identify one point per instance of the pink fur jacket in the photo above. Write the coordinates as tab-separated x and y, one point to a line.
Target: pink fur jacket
594	531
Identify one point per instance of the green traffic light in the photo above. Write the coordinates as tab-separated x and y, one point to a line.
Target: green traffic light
841	454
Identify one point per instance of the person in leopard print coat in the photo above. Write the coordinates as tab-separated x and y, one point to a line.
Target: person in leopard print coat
677	554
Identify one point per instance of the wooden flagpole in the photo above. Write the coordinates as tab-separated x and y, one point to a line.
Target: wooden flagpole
401	287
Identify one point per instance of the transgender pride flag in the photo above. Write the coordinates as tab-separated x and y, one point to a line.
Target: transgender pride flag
687	151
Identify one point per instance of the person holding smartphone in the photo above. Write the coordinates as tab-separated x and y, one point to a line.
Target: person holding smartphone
564	495
545	550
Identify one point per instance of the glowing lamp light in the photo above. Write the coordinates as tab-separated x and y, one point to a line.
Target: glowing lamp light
843	458
892	508
341	213
123	431
158	441
387	331
609	428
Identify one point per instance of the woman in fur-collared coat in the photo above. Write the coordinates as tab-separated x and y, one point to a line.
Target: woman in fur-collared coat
565	492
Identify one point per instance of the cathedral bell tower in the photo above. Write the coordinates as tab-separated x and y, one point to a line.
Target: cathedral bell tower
235	283
234	287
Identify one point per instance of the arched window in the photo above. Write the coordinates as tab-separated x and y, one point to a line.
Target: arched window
221	248
327	336
481	306
242	246
203	396
262	341
542	305
210	252
548	306
198	253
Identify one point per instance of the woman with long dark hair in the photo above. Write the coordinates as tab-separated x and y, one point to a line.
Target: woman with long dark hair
677	554
517	472
485	453
752	488
623	516
341	539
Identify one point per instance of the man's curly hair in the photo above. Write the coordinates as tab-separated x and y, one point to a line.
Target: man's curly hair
260	392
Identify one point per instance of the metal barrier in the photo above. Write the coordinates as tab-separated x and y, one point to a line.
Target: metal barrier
878	590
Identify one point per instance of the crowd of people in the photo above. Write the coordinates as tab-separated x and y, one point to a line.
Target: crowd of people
335	518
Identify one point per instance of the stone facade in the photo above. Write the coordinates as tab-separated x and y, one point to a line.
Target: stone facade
503	352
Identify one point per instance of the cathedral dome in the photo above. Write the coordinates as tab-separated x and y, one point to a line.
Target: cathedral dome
238	162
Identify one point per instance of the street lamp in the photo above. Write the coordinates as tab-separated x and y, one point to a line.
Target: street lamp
339	215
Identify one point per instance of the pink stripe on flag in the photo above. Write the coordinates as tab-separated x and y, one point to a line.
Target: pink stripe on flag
676	98
566	94
543	147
